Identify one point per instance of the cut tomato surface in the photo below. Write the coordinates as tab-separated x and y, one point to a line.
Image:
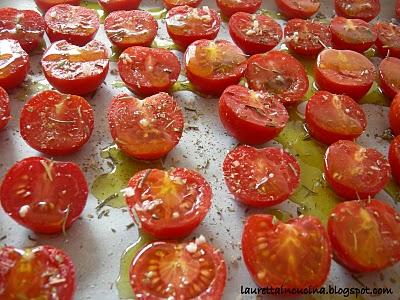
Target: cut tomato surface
355	172
251	117
358	9
230	7
148	71
254	33
388	42
394	157
261	177
43	272
302	9
365	235
331	117
43	195
344	72
75	70
170	4
145	129
119	5
194	270
45	5
4	108
394	115
277	73
295	254
56	124
389	76
169	204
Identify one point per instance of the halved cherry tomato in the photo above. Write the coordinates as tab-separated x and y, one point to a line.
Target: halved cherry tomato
254	33
365	235
145	129
118	5
14	64
355	172
75	70
261	177
277	73
302	9
4	108
148	71
178	270
47	4
295	254
331	117
170	4
43	272
394	157
55	123
352	34
251	117
389	76
130	28
43	195
212	66
344	72
169	204
358	9
388	42
25	26
230	7
307	38
75	24
394	115
186	24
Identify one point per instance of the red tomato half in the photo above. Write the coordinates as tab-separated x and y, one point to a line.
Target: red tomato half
199	266
277	73
296	254
148	71
352	34
75	70
56	124
170	4
43	195
394	115
394	156
4	108
25	26
389	76
254	33
365	235
251	117
302	9
355	172
117	5
344	72
230	7
261	177
186	24
388	42
145	129
43	272
331	118
130	28
358	9
212	66
46	4
76	24
14	64
169	204
307	38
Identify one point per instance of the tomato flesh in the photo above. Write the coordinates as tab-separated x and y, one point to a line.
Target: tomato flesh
389	76
45	5
301	9
394	115
230	7
4	108
170	4
388	42
394	157
358	9
119	5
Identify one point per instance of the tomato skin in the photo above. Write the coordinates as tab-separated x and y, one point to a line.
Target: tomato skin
265	237
118	5
293	9
389	76
365	10
23	284
394	158
45	5
317	117
4	108
38	184
230	7
380	239
388	42
398	8
148	71
266	37
394	115
170	4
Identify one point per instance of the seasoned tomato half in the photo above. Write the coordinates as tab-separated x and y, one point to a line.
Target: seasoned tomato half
331	117
56	124
301	9
344	72
278	73
251	117
254	33
389	76
355	172
45	5
119	5
230	7
43	272
388	42
4	108
394	157
170	4
358	9
295	254
194	270
145	129
76	70
169	204
365	235
394	115
43	195
261	177
212	66
148	71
